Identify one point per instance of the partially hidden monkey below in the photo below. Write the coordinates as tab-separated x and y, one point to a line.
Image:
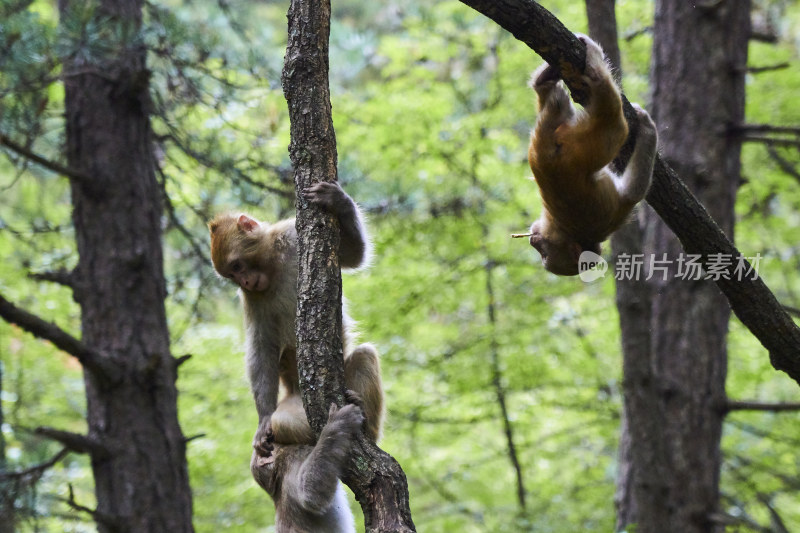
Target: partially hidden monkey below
262	259
303	480
583	200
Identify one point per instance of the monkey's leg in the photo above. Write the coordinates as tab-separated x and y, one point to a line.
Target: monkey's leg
635	181
313	485
289	422
362	374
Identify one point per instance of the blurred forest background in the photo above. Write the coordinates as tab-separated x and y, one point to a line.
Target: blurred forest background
503	382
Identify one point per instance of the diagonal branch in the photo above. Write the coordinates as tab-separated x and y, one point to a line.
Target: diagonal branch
75	442
92	360
46	163
750	299
35	471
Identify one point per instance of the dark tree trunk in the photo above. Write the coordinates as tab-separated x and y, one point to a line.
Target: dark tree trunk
633	303
139	462
374	476
675	374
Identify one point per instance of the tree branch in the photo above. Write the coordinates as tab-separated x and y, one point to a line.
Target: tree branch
46	163
750	299
62	276
114	523
75	442
787	168
733	405
104	367
35	471
768	68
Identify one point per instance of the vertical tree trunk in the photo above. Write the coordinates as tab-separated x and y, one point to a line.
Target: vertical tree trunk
633	305
675	383
376	479
140	465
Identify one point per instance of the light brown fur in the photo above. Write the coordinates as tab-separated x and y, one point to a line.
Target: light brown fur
583	200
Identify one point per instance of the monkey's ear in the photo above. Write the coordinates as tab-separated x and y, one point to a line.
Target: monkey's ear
247	224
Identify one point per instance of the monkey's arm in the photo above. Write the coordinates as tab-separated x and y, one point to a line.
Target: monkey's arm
313	485
262	361
353	243
635	181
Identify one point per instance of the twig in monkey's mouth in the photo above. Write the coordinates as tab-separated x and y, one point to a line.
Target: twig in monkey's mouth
519	235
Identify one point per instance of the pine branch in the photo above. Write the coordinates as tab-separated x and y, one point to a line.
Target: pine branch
767	68
732	405
97	363
750	299
46	163
765	128
35	471
114	523
62	276
75	442
787	168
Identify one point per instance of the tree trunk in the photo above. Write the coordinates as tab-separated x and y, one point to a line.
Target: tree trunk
674	379
139	461
376	479
632	298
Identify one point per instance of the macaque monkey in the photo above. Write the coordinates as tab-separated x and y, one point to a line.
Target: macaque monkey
262	259
303	480
583	200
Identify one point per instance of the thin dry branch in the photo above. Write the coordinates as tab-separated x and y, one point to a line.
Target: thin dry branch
750	299
103	367
733	405
35	471
43	161
768	68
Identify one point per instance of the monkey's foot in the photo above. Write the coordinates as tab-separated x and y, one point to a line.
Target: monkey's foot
264	444
354	398
345	421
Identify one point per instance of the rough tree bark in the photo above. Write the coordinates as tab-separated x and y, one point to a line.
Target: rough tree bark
678	379
750	299
374	476
136	446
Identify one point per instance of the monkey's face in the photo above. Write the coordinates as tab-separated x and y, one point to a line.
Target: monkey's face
235	253
558	256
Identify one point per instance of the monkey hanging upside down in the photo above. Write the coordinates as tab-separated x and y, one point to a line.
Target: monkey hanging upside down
583	200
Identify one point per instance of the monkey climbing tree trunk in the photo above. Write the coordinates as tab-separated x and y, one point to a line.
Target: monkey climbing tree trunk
136	446
375	477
